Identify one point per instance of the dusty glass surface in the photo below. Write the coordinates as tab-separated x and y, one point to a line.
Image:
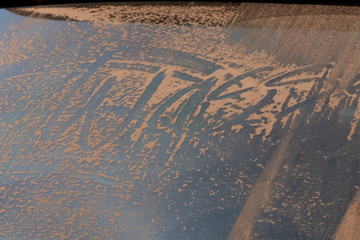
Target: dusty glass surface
182	121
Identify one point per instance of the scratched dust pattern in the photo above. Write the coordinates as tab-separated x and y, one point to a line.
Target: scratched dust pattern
135	130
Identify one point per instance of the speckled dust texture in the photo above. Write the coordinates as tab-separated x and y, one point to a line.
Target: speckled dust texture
174	122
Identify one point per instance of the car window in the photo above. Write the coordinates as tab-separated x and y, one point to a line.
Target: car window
179	121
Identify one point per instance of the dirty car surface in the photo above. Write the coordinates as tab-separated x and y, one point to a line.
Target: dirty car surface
179	121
